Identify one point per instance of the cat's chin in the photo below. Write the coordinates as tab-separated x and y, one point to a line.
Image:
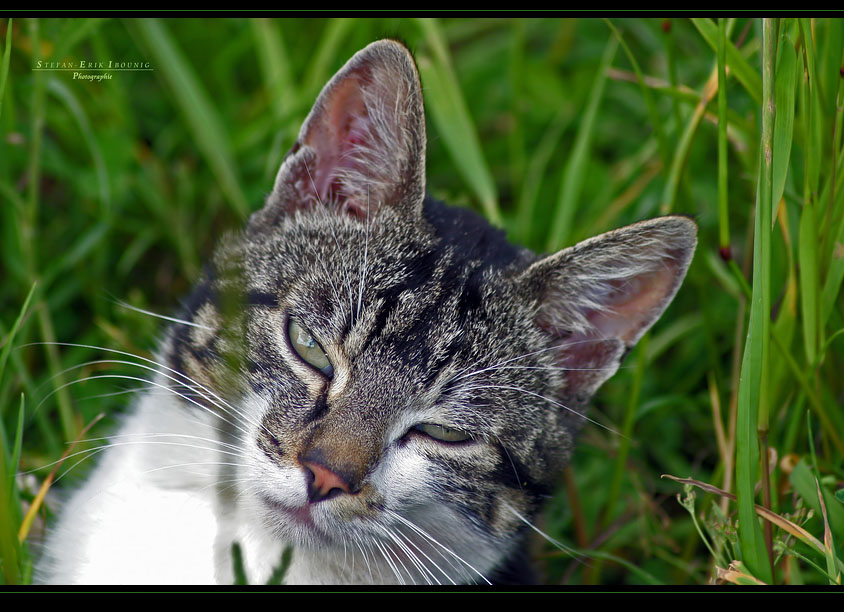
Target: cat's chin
296	524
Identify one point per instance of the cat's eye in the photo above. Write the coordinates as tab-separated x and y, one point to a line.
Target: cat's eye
308	348
442	433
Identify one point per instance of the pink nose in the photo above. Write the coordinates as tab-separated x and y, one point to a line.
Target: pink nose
322	482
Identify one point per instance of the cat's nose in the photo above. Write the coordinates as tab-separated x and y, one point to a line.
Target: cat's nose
322	482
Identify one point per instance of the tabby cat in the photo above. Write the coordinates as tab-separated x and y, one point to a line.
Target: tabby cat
364	374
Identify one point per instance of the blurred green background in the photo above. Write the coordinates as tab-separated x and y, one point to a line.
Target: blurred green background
556	129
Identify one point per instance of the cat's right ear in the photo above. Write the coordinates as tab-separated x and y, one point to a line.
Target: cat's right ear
362	147
597	298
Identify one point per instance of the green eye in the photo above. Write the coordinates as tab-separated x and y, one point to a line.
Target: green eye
308	348
443	434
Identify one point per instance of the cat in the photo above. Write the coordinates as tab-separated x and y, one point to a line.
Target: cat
377	380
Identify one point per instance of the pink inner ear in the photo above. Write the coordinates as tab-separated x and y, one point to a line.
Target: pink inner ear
628	307
335	138
633	305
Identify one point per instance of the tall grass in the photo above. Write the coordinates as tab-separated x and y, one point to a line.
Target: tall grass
113	192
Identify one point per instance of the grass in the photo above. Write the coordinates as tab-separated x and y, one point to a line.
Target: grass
556	129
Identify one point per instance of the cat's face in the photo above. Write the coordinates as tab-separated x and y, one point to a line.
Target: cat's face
402	379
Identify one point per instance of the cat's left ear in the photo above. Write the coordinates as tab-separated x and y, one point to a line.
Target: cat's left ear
597	298
362	147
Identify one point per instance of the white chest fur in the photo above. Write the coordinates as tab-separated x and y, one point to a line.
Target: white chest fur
152	513
147	513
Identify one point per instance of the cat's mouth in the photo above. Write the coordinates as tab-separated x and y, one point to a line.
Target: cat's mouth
310	525
296	522
296	515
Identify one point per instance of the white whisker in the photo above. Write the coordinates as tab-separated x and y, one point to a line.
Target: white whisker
234	447
559	545
166	318
365	254
385	553
549	400
193	384
398	541
430	538
410	542
462	374
149	382
206	393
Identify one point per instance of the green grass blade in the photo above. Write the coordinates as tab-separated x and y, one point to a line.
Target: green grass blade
238	568
59	89
278	82
196	107
10	552
830	61
575	168
804	381
814	115
16	452
275	66
828	540
835	273
756	358
681	154
33	172
4	69
623	452
797	554
786	87
277	577
670	43
67	415
656	122
807	256
834	253
318	70
828	341
739	66
77	31
804	482
526	220
9	340
516	68
82	247
9	546
723	202
454	124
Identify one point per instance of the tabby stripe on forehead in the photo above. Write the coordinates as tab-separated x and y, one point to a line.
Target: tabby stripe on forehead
465	294
255	297
419	271
414	338
442	361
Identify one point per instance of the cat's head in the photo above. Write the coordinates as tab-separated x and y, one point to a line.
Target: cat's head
404	380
